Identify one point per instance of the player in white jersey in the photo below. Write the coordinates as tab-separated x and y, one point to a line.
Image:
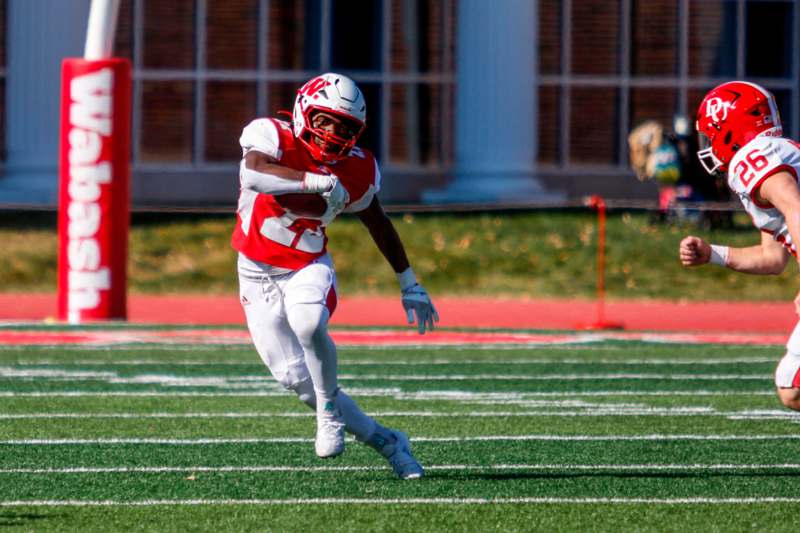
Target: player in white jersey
295	179
741	135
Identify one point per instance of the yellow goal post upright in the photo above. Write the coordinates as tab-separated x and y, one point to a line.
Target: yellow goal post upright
94	176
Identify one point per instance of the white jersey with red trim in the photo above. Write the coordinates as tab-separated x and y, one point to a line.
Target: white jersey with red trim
267	233
751	165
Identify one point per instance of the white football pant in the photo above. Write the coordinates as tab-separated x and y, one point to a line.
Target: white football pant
287	315
786	375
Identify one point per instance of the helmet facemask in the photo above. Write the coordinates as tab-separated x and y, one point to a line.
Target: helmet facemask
326	145
710	162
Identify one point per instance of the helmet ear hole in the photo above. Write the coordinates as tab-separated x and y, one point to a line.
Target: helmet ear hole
728	136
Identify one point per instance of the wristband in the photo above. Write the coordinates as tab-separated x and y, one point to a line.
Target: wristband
719	255
406	278
316	183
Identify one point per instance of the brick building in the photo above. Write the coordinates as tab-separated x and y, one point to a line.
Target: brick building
446	84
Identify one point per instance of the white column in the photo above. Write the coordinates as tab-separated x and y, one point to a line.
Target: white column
40	34
496	105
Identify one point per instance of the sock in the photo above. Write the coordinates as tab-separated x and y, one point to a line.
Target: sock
356	422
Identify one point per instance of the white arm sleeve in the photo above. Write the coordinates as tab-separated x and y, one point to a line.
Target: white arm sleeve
267	183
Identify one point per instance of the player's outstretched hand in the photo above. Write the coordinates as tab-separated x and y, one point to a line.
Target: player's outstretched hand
694	251
416	301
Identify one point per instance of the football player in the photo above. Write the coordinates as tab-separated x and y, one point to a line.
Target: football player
741	135
295	179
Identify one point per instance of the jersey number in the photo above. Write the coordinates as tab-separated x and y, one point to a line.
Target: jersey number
747	168
285	230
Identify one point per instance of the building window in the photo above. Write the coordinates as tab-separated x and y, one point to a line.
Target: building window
712	38
204	68
594	114
595	37
605	66
654	34
363	19
769	53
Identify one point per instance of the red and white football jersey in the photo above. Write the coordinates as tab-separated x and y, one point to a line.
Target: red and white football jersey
751	165
268	233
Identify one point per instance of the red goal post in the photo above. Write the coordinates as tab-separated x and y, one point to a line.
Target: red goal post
94	176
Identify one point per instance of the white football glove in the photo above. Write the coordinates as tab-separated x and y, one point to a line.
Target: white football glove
416	301
337	198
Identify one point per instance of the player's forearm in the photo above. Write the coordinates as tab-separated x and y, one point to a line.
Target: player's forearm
267	182
755	260
276	179
388	242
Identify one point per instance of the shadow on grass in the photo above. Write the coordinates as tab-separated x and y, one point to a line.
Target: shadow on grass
23	519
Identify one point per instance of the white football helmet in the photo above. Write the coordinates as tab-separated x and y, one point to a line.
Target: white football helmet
335	94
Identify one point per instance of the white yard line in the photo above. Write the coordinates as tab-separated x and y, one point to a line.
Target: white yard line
500	467
479	438
140	394
552	377
586	361
589	410
400	501
435	362
262	379
510	397
127	347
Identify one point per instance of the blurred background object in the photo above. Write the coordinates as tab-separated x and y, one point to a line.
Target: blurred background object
669	158
432	73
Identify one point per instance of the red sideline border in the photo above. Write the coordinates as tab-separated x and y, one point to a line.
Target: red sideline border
473	312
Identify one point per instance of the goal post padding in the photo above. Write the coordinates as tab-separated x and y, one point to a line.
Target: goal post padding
94	185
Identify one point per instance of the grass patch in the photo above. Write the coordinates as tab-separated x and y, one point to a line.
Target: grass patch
519	254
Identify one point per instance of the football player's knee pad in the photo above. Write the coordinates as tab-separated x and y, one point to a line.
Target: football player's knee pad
308	321
787	375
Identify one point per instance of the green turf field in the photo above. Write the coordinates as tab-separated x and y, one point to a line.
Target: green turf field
598	437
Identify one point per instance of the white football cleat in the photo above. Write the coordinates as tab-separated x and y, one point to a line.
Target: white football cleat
398	453
330	431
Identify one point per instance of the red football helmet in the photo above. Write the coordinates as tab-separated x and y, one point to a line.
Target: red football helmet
730	116
336	95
